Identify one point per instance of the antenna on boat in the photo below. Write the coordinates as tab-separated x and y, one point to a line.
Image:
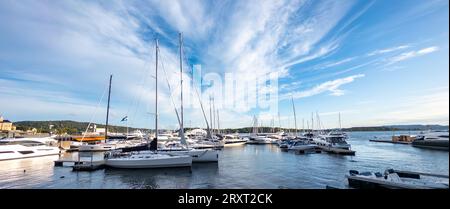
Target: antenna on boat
107	108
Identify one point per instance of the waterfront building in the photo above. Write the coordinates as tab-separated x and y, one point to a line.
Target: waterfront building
6	125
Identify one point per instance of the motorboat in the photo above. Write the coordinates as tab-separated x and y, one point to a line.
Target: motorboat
303	146
432	140
233	140
393	179
260	140
146	159
19	148
332	141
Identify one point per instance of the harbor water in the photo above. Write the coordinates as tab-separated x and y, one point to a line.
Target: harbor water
247	166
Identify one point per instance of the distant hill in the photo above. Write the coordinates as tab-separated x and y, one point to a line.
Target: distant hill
66	126
75	127
399	128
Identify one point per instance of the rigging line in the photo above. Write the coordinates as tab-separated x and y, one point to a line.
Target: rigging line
140	94
133	102
95	112
170	90
196	92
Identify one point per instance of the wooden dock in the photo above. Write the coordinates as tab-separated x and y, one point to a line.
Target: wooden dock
389	141
82	165
337	150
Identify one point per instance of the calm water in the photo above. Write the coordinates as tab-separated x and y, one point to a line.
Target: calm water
248	166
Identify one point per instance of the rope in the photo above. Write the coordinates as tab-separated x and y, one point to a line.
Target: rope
95	112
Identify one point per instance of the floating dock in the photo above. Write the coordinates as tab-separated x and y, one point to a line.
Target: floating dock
82	165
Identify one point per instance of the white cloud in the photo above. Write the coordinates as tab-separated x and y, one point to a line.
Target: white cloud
329	86
387	50
411	54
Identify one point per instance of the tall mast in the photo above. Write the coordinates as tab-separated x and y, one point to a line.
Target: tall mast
214	117
218	122
295	117
210	113
156	92
181	96
107	108
303	125
340	125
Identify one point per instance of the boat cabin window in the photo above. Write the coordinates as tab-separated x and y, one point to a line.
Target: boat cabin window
5	152
26	152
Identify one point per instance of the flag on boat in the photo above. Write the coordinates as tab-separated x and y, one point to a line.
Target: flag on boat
125	118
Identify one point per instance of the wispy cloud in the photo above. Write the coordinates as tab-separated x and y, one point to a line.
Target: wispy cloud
332	86
411	54
387	50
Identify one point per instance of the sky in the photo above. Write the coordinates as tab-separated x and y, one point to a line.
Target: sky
373	62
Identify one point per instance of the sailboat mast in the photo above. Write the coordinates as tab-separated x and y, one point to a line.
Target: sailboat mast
107	108
210	113
295	117
181	95
340	125
218	122
156	91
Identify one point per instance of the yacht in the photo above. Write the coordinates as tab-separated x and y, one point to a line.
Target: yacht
302	144
332	141
19	148
233	140
432	140
258	139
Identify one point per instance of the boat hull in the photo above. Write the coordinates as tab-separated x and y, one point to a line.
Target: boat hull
198	155
138	163
14	152
233	144
95	148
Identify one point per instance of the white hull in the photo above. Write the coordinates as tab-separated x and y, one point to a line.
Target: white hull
96	147
198	155
233	144
12	152
303	147
150	161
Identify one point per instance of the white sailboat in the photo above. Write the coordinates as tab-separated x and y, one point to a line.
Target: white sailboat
149	159
199	152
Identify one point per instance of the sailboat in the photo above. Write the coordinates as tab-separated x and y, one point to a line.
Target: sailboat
301	143
148	159
88	147
198	155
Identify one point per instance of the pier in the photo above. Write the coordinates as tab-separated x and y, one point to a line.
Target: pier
82	165
389	141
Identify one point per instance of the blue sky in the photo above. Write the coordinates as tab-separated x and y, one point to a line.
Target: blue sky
376	62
